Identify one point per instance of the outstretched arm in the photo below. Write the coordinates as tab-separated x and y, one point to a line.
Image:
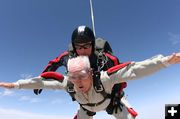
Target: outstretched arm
174	58
136	70
7	85
36	82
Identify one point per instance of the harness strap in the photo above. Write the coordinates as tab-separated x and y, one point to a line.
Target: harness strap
97	82
123	85
116	95
89	113
70	90
95	104
98	86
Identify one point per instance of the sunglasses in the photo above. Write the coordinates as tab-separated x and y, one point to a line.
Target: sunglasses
83	75
83	46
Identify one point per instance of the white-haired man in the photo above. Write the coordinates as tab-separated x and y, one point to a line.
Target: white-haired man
80	74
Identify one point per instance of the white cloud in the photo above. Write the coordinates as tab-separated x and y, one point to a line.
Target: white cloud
57	101
174	38
7	92
18	114
29	99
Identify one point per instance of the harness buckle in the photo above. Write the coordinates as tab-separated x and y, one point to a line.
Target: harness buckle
99	88
70	90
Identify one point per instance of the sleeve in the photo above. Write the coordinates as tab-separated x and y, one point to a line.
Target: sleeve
40	83
137	70
57	62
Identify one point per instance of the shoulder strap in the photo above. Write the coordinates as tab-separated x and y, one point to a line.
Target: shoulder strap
98	86
70	90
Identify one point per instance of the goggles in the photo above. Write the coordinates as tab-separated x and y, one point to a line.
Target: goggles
83	74
82	46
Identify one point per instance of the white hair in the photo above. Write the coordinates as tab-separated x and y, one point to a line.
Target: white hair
78	63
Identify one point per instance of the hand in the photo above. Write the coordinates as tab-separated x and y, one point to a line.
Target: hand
174	58
37	91
7	85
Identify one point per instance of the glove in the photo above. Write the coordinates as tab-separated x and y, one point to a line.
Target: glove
37	91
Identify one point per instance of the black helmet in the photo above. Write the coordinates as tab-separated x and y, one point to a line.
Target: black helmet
82	34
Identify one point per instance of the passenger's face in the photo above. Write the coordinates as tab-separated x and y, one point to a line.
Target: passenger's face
82	80
83	48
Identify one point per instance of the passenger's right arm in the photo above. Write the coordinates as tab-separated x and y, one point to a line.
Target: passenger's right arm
36	83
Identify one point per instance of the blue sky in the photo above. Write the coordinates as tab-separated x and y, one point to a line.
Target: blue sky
32	32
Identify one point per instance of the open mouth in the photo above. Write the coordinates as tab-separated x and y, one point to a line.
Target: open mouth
80	87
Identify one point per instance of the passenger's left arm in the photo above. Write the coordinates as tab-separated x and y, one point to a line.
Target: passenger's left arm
137	70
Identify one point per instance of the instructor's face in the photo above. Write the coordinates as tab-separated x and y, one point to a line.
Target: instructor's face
84	48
